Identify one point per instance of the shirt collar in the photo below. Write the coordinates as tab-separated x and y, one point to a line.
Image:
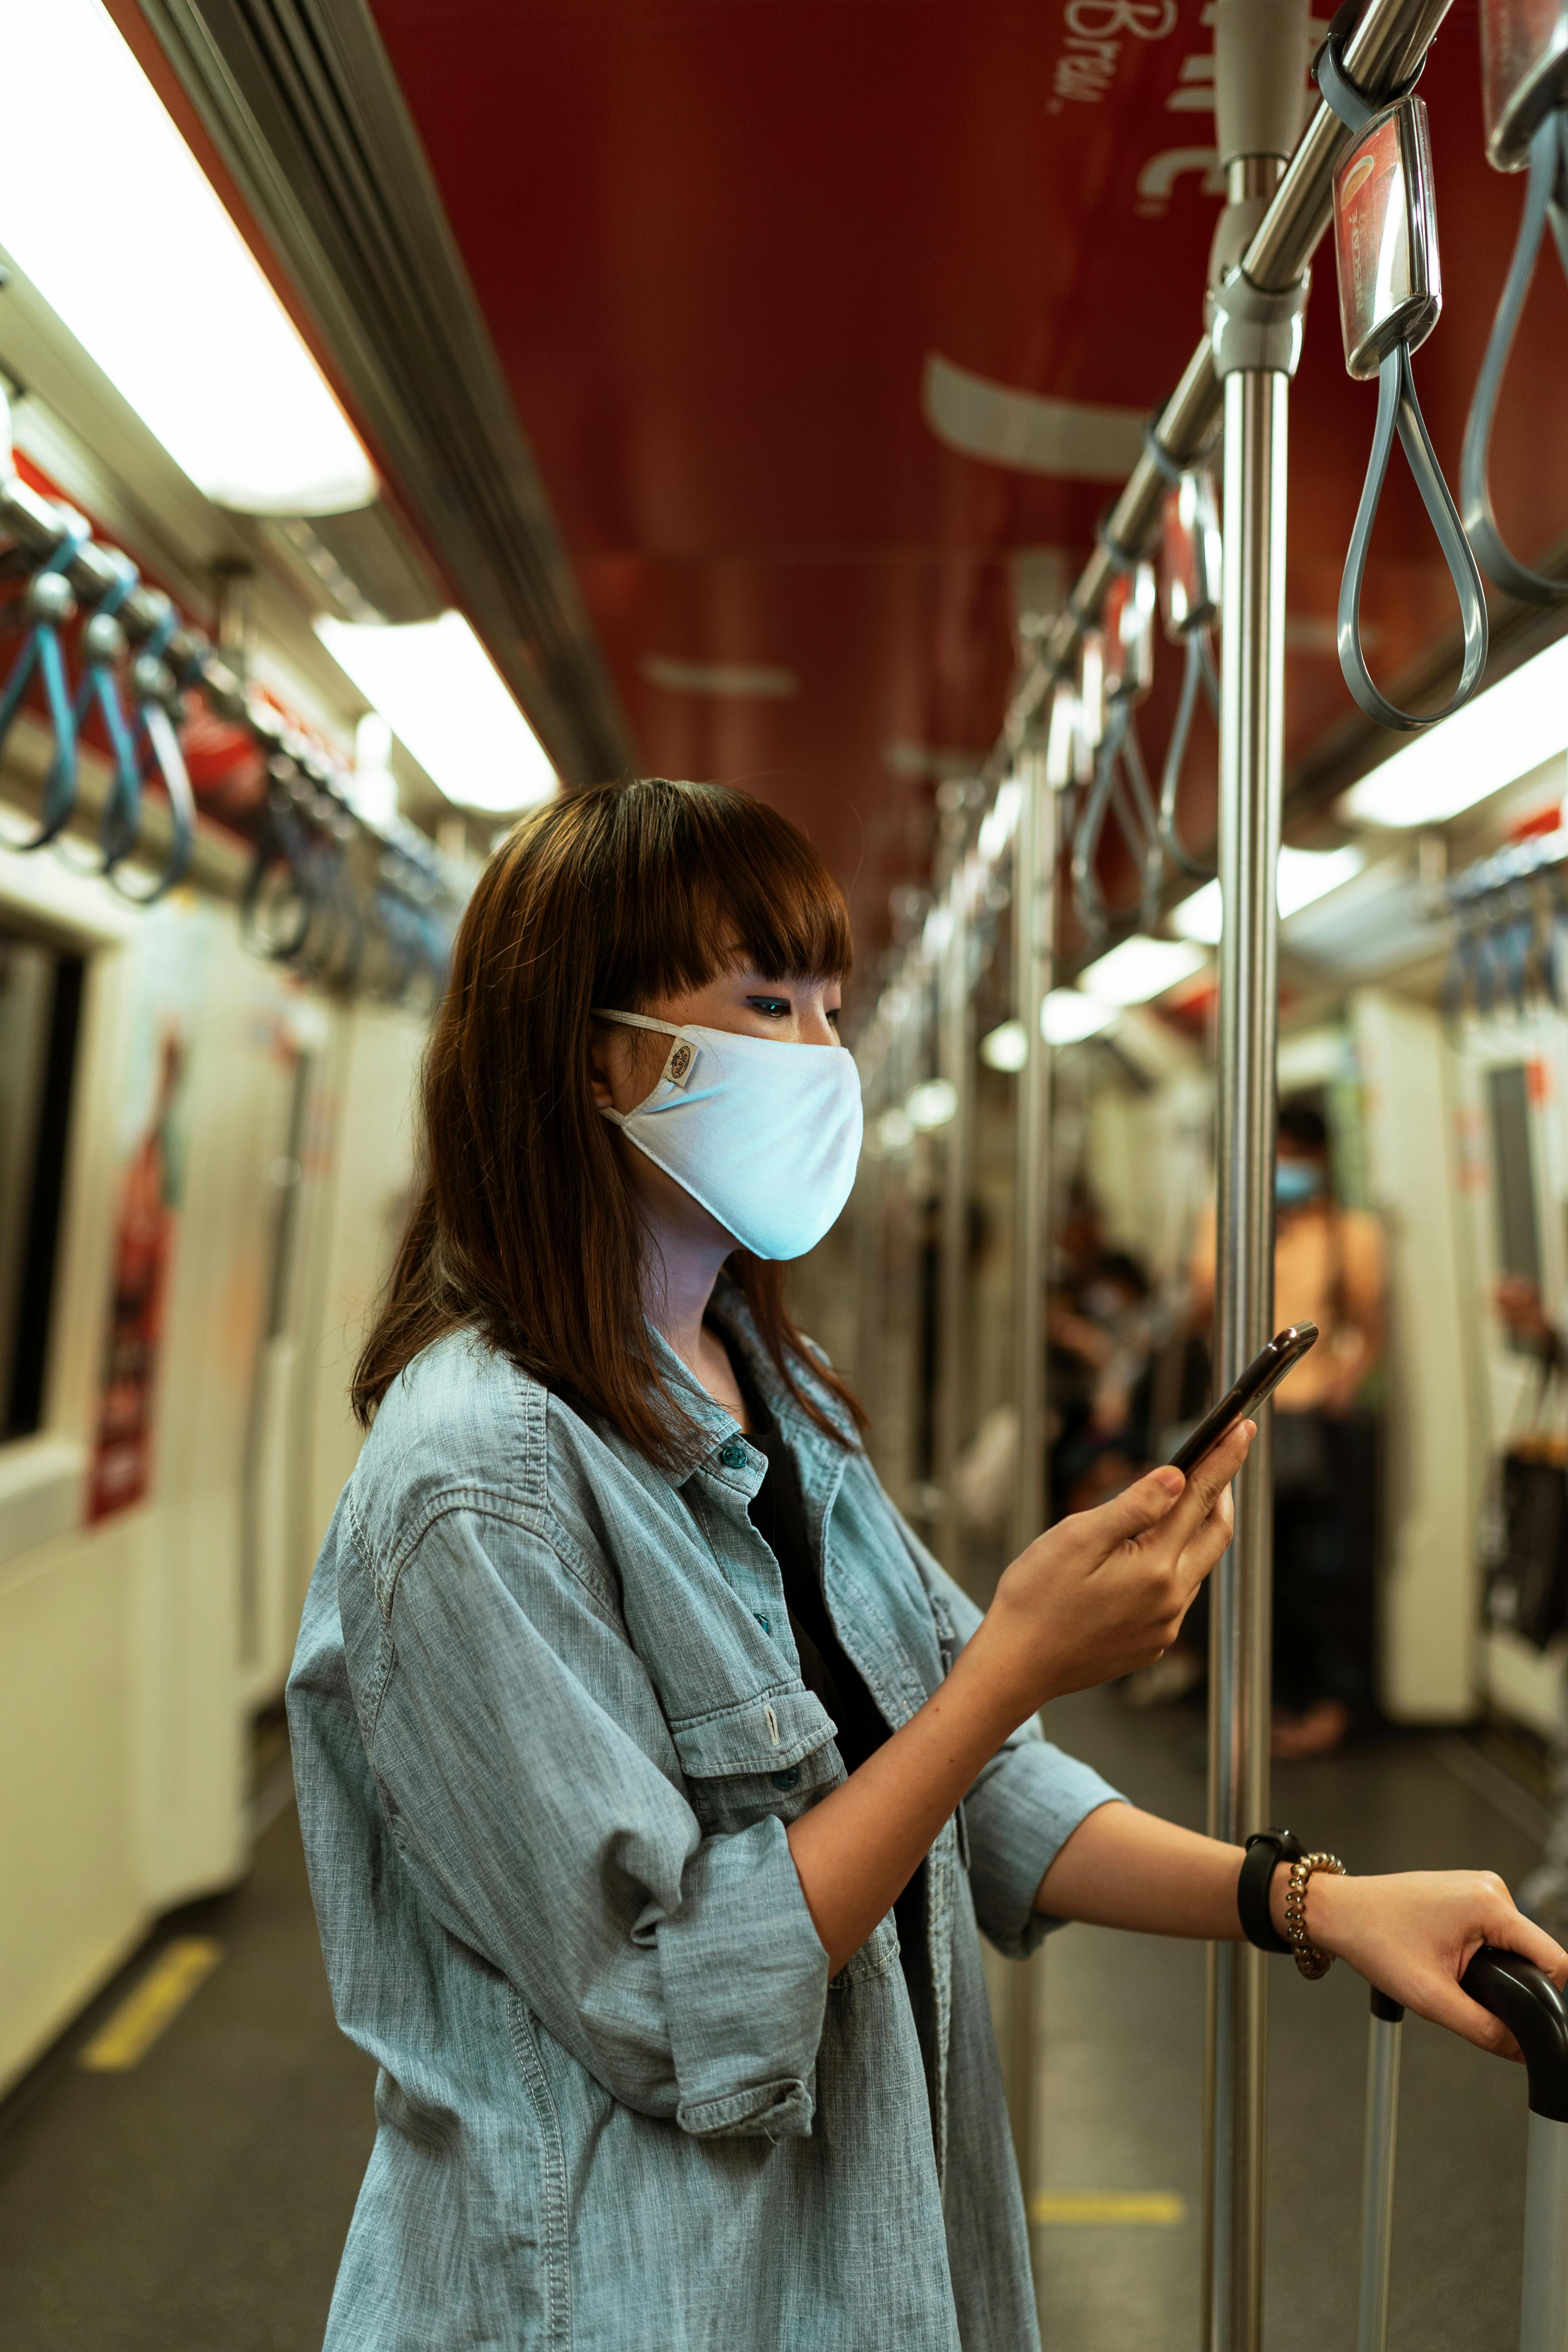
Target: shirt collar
734	1317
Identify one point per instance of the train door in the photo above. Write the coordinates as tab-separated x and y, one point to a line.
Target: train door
1514	1078
1434	1450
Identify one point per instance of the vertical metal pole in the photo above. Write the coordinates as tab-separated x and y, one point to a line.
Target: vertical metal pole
1543	2306
1034	909
1033	946
1251	776
871	1186
1379	2142
953	1060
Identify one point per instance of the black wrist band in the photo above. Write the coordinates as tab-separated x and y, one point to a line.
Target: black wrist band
1265	1850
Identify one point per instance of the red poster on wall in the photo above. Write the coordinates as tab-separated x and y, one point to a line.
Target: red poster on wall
121	1462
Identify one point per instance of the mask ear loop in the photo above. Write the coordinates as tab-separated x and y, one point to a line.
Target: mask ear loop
1544	201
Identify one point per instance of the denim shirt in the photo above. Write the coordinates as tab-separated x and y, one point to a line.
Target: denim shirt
549	1731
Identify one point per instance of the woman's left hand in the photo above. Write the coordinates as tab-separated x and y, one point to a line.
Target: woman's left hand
1414	1933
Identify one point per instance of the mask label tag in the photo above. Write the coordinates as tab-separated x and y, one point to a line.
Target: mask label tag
678	1067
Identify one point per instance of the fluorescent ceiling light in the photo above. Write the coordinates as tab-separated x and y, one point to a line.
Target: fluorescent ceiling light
1006	1048
930	1104
1141	968
1303	876
196	340
1068	1016
1497	738
445	699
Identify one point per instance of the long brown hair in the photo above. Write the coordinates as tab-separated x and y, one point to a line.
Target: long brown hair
526	1226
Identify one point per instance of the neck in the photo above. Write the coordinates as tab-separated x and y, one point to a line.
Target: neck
682	1271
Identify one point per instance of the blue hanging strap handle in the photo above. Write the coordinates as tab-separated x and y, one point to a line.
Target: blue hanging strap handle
1197	675
102	645
278	904
1335	88
156	695
1119	788
1545	199
1398	411
48	605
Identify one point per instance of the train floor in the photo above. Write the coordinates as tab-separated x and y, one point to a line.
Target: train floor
196	2200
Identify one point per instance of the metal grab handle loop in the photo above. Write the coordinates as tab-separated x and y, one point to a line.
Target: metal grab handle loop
1398	410
1199	672
1546	192
49	605
157	749
1138	824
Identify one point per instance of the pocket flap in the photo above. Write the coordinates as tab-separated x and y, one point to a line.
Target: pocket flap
765	1734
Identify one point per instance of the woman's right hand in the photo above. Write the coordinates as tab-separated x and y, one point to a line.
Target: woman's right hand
1105	1592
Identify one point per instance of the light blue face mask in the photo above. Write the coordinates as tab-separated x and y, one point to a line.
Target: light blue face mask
1295	1182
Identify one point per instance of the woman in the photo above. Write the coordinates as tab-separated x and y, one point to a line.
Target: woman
653	1778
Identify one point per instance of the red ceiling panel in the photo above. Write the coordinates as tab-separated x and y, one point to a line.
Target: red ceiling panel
716	242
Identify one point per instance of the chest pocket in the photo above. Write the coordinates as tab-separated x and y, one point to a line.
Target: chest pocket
768	1755
737	1771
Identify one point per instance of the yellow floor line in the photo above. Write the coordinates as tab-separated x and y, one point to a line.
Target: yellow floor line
125	2037
1157	2208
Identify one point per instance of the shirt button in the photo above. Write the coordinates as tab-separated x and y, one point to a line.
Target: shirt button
785	1779
732	1454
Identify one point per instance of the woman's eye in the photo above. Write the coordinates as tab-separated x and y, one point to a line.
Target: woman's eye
772	1008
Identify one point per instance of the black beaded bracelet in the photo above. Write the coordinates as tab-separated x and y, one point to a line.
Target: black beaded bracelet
1265	1850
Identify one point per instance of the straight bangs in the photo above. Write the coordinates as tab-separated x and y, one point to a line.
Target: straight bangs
707	878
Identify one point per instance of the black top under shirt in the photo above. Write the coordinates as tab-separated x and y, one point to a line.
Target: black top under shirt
778	1514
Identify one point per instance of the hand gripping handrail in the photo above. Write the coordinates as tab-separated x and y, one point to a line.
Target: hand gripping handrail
48	604
1545	198
1525	1999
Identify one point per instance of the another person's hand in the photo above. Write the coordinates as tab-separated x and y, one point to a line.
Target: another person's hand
1518	1304
1105	1592
1413	1935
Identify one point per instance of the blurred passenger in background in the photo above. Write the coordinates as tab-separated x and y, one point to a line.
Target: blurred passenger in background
1328	1270
1535	1331
1100	1334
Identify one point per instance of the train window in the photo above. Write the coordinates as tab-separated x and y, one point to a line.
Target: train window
1518	1239
40	1007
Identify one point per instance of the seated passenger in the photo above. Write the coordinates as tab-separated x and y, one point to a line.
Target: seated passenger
655	1781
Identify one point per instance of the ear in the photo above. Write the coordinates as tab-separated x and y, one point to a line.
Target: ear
600	1050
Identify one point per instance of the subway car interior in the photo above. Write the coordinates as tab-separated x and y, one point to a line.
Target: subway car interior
971	430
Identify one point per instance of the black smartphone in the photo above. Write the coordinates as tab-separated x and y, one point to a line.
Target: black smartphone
1261	1378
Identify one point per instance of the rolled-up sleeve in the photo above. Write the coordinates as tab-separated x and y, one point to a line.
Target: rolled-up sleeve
1024	1806
515	1740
